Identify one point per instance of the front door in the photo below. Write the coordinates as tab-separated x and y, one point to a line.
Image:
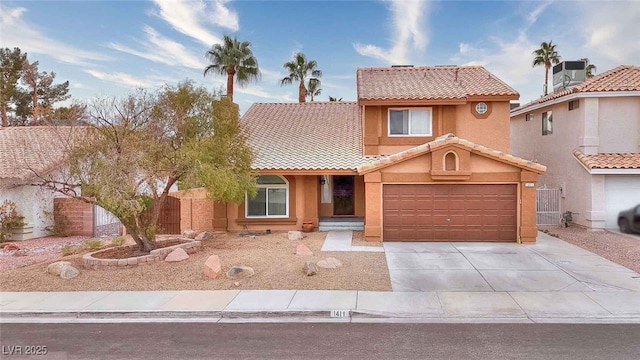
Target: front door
343	199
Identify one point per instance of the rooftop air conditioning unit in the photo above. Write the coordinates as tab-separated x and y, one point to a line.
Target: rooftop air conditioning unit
568	74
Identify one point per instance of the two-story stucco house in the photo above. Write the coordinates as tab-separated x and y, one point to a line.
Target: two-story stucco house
390	162
589	138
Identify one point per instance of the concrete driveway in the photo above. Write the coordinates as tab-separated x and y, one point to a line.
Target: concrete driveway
551	265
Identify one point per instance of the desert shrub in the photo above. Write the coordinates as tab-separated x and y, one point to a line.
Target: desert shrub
93	244
9	219
67	250
118	240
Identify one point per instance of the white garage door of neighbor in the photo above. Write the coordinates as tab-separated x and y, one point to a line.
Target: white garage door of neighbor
621	192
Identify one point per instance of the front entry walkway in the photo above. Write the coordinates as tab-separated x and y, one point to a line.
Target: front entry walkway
341	241
550	265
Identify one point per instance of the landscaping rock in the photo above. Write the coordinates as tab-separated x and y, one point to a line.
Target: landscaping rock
64	269
310	268
177	255
295	235
205	235
303	250
191	234
10	247
239	272
329	263
212	267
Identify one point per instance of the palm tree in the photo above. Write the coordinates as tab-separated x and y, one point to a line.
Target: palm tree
546	55
233	58
300	69
313	88
590	68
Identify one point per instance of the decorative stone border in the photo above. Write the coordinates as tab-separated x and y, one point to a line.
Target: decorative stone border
90	262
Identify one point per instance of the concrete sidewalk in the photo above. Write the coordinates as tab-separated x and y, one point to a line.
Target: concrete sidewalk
341	306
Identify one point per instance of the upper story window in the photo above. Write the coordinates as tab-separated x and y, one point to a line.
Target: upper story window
547	123
528	117
574	104
481	108
272	198
410	122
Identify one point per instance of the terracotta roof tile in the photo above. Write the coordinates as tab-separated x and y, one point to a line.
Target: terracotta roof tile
609	160
26	149
429	83
304	136
445	140
621	78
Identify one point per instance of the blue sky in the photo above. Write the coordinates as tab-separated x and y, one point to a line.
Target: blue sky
109	48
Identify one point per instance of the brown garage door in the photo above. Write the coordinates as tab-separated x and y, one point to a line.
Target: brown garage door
449	212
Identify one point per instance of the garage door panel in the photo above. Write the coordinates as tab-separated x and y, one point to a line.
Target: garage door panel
449	212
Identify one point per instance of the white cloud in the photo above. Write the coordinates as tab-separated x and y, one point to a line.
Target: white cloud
190	17
161	49
532	17
16	32
224	17
409	30
610	31
259	91
127	80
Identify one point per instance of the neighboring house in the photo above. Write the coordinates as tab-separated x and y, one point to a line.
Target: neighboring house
589	138
25	151
390	162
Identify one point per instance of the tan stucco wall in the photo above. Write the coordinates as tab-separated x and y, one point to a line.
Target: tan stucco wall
619	124
492	131
483	170
599	125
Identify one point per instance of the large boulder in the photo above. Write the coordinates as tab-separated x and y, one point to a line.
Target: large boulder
310	268
295	235
191	234
239	272
63	269
212	267
329	263
303	250
177	255
205	235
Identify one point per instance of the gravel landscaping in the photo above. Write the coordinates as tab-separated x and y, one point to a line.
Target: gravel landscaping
621	249
271	256
36	250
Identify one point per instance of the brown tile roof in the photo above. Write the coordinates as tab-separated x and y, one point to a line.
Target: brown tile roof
26	149
609	160
622	78
306	136
430	83
449	139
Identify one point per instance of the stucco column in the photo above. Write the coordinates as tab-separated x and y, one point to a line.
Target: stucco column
311	199
595	199
528	229
373	216
590	137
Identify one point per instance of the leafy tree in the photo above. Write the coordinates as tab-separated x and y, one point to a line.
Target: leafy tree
233	58
313	88
331	98
300	70
545	56
590	68
136	148
11	62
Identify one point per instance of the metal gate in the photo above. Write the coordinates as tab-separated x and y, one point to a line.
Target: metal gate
548	207
169	220
105	223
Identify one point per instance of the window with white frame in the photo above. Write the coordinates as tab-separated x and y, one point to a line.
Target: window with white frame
410	122
547	123
272	198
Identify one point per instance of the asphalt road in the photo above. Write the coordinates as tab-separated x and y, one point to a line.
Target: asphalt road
322	341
